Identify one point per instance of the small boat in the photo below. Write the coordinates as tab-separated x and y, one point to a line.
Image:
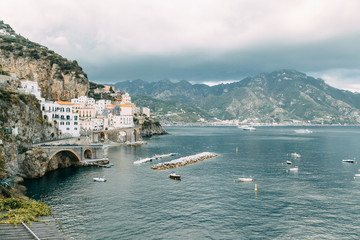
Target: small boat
294	169
244	179
99	179
348	161
296	155
104	165
357	174
288	162
247	128
303	131
174	176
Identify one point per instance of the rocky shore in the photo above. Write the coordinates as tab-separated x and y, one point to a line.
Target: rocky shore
181	162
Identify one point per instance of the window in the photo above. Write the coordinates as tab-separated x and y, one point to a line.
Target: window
67	123
61	123
67	109
62	117
43	108
68	129
75	123
67	117
75	128
75	117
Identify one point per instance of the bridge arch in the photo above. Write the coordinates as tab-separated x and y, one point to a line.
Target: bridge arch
65	151
88	154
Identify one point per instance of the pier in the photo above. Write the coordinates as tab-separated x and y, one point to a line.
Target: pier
181	162
38	230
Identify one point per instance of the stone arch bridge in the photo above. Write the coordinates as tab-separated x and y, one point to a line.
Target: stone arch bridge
78	152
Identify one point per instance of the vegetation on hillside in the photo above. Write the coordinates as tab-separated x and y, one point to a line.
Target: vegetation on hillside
23	47
19	210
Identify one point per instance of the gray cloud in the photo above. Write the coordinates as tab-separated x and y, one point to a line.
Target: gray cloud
199	41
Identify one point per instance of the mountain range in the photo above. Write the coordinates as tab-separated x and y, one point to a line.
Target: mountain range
279	97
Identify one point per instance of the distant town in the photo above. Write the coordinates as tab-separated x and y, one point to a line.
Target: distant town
83	115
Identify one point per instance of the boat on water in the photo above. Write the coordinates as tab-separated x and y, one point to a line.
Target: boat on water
99	179
296	155
303	131
105	165
288	162
174	176
247	128
357	174
348	161
245	179
294	169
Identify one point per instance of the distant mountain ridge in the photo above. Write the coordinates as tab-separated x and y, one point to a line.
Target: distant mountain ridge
281	97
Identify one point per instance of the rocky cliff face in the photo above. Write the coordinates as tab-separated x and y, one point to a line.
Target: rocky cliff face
21	123
59	78
55	83
149	126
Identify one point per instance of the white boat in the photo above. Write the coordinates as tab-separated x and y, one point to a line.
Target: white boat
348	161
303	131
288	162
294	169
247	128
357	174
174	176
296	155
99	179
244	179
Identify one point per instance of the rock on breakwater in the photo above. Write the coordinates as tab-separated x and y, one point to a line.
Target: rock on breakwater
181	162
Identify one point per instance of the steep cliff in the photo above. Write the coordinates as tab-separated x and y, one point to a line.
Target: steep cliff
59	78
21	123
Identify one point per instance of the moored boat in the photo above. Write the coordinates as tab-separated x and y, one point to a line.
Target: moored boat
303	131
99	179
348	161
288	162
296	155
245	179
174	176
294	169
247	128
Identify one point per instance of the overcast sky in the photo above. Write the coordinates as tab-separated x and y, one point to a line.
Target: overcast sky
199	41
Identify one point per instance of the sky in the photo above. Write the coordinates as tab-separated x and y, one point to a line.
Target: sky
202	41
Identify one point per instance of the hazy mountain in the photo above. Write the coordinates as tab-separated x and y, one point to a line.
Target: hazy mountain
280	96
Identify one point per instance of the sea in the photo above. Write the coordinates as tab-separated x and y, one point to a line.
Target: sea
321	200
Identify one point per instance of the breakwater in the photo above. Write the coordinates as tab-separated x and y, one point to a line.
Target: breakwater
144	160
181	162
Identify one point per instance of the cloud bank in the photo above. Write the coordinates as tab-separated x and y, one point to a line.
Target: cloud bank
199	41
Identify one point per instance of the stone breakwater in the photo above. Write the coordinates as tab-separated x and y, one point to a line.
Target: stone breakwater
181	162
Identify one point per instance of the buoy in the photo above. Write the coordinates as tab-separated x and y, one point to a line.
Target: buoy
255	187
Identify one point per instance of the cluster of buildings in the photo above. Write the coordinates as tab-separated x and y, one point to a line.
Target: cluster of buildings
84	115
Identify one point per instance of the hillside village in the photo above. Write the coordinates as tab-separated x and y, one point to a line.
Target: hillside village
83	115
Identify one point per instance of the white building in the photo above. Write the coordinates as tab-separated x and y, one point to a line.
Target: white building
126	98
146	111
61	113
31	87
100	105
83	99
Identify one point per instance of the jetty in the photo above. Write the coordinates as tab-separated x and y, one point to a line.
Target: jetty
38	230
150	159
181	162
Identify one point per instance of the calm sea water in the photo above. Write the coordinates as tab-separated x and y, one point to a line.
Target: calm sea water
320	201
